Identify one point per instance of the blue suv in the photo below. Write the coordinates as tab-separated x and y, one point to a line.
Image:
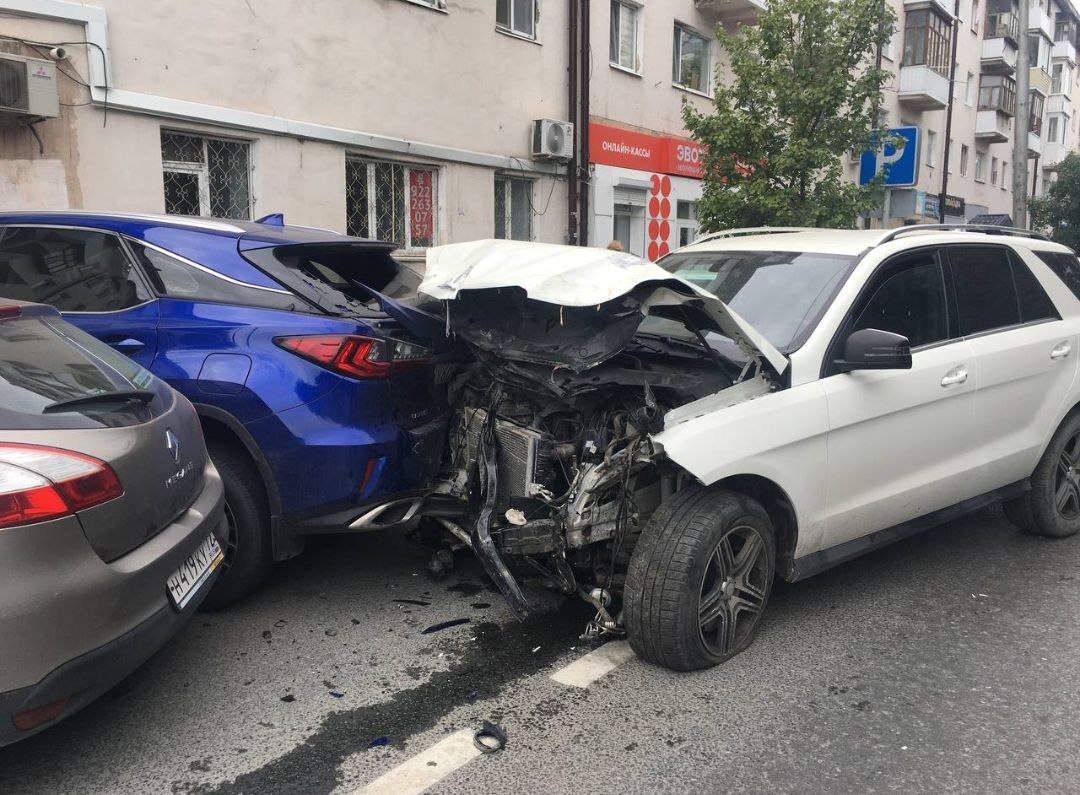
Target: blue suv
313	380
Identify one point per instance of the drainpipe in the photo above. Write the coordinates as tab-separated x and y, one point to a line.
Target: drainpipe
948	115
572	114
584	175
1035	177
1022	122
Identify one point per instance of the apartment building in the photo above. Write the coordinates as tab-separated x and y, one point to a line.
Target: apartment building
413	120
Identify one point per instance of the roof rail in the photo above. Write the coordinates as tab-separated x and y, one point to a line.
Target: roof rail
749	230
986	229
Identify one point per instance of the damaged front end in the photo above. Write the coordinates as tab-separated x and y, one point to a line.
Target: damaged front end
552	468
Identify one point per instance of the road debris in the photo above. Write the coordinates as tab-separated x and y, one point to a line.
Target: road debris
490	738
288	698
378	742
336	693
420	602
456	622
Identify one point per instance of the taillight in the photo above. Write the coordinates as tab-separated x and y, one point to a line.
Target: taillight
9	311
39	483
359	357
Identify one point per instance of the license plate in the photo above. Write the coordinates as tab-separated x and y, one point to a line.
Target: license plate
194	571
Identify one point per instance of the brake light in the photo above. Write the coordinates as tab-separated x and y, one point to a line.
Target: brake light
39	483
32	718
355	356
9	311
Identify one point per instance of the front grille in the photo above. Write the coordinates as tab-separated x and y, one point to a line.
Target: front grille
517	449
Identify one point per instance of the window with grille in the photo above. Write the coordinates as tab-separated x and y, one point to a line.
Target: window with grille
998	92
206	176
517	16
391	201
513	208
690	60
625	24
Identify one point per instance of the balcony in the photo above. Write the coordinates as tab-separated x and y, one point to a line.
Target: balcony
998	56
1034	145
1040	81
992	127
941	7
731	11
922	88
1060	103
1038	19
1065	49
1053	153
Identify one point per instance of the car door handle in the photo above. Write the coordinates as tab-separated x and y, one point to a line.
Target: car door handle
957	375
1061	350
128	345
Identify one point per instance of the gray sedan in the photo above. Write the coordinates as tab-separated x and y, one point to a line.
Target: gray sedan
111	518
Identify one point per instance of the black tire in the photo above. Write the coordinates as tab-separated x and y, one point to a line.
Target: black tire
248	553
678	572
1052	507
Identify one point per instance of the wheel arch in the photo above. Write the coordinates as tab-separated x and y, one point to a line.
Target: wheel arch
780	508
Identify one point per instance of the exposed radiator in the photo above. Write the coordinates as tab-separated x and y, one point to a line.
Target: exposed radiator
517	450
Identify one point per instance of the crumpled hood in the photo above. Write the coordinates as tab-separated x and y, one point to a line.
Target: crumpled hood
575	276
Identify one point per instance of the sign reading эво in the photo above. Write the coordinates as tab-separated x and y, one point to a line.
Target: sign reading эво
657	154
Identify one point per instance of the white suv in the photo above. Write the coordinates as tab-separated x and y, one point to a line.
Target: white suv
665	439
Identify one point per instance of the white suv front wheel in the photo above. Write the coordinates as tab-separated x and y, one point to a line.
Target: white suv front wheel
699	579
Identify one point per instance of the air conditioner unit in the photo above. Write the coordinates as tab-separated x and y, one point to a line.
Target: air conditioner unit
28	87
552	140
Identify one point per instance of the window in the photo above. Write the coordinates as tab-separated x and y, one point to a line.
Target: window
889	51
1039	51
985	294
1002	20
910	302
975	16
175	278
517	16
1052	130
969	90
1035	304
1004	172
625	29
926	41
1065	266
690	60
206	176
391	201
980	167
1055	79
74	270
628	218
993	170
997	92
1064	30
1035	101
513	208
686	221
931	148
963	159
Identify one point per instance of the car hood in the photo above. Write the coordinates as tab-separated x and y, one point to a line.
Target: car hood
595	299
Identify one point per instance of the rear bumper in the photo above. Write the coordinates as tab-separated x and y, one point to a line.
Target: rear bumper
88	624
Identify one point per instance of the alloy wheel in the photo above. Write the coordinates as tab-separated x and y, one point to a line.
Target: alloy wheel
231	539
733	591
1067	480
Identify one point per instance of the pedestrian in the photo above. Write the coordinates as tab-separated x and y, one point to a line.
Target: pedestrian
615	245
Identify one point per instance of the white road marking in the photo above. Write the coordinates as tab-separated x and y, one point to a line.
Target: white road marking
415	775
586	670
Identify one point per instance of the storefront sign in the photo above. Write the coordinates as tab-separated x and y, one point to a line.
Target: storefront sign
931	205
954	205
421	207
664	154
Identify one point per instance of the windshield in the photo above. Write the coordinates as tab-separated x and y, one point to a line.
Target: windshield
780	293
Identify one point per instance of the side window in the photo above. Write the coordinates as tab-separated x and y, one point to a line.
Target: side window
174	278
1066	266
910	302
74	270
1035	304
985	293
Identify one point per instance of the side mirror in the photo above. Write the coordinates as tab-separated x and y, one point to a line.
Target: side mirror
873	349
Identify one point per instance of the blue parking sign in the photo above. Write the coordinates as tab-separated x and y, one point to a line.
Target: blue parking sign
899	162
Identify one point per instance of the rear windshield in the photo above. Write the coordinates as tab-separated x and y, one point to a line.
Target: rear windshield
45	360
782	294
338	277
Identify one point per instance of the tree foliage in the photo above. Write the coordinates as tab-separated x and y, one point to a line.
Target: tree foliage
1059	209
803	92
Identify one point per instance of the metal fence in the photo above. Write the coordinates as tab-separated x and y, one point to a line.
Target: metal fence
206	176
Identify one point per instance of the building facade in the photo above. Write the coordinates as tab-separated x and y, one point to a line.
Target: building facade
412	120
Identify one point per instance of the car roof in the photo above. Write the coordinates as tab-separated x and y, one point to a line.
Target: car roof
852	242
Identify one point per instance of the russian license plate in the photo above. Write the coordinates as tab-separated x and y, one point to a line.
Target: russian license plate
194	571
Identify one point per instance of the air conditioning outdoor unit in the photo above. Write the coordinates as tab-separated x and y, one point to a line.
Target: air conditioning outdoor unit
28	87
552	140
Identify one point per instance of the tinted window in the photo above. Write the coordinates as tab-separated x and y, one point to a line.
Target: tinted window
177	279
985	294
910	302
1066	266
45	361
72	269
780	293
1035	304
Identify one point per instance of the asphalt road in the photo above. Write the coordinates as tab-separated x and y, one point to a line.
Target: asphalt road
947	663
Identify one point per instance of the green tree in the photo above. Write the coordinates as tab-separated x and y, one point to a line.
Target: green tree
804	90
1059	209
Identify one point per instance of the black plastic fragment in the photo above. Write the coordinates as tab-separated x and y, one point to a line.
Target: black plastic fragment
456	622
420	602
490	738
378	741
